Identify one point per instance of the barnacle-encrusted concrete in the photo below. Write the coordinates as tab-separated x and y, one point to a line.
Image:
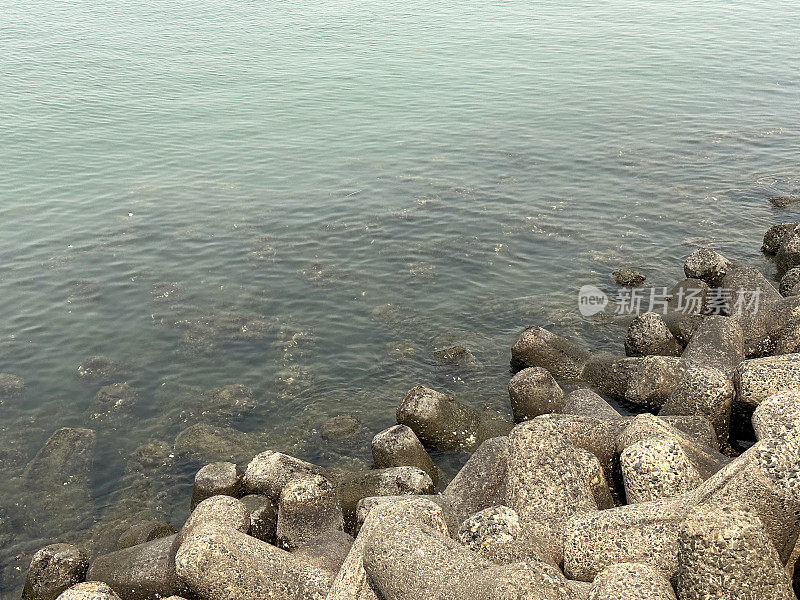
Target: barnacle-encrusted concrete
724	553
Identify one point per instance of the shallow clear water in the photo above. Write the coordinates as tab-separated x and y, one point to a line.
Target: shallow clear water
296	167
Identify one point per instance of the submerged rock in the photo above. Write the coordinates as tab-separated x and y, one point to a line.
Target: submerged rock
321	274
402	349
149	457
98	369
455	355
386	313
143	532
57	480
340	427
11	386
167	291
261	249
422	270
294	379
113	400
221	405
627	277
206	444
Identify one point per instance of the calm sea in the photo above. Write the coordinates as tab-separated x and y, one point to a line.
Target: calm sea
309	198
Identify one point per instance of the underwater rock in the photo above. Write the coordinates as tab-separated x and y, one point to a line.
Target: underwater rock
344	434
167	291
113	400
98	369
261	249
206	444
85	290
455	355
143	532
294	379
627	277
221	405
11	386
321	274
149	457
340	427
421	270
58	480
199	341
402	349
386	313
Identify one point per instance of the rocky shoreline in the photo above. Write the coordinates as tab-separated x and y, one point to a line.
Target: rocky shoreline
572	500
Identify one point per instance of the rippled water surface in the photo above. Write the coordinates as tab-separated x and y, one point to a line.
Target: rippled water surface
309	198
